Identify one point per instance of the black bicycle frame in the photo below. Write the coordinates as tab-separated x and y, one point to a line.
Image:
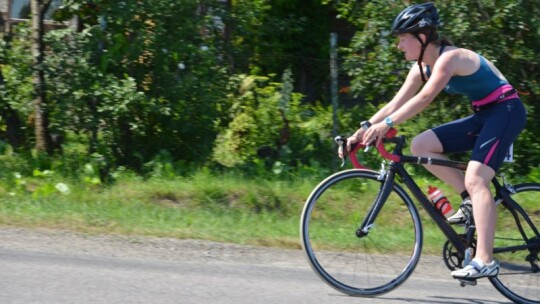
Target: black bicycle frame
460	244
398	169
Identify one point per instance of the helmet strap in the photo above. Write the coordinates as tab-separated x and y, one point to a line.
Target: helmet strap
424	46
420	63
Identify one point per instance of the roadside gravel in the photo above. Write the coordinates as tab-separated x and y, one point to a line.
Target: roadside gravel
186	250
140	247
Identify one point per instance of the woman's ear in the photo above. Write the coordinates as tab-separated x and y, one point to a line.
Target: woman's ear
423	38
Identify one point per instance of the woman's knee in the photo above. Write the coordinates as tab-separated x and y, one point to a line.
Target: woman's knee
474	184
478	177
425	143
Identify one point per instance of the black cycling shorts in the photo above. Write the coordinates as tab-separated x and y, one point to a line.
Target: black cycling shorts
488	133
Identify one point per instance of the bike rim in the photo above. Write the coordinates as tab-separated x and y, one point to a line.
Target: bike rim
367	266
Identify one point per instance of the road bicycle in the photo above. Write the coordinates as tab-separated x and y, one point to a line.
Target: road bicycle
362	232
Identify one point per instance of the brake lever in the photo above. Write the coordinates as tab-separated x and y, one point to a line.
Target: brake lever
370	145
368	148
342	141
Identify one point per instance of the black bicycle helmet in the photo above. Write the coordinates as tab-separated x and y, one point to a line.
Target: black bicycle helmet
418	17
415	18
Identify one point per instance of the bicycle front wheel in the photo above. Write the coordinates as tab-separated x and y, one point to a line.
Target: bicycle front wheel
519	275
369	265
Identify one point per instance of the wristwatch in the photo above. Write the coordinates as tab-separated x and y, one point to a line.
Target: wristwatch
365	124
389	122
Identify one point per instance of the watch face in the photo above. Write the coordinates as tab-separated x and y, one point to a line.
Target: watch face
389	121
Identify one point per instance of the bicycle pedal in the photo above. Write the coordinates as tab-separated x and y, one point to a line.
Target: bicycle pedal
467	282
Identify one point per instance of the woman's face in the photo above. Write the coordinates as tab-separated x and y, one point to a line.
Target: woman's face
409	45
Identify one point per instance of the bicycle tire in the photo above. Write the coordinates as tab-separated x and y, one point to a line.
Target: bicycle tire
517	280
367	266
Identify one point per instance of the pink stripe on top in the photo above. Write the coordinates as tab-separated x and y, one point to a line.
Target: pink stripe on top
491	152
492	97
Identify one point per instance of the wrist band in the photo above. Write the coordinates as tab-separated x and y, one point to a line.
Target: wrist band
365	124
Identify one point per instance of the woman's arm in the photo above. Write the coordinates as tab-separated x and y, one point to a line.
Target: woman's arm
412	84
443	70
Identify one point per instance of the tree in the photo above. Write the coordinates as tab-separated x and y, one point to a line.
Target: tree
162	63
265	37
42	136
144	79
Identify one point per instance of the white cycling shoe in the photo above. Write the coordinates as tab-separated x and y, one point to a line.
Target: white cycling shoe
460	217
477	269
465	211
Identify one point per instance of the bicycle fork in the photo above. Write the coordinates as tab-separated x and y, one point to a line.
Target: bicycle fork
384	192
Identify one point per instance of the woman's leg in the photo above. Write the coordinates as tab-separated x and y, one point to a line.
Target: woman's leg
501	126
477	180
427	144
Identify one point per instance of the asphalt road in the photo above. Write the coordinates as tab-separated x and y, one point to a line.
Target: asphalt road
61	267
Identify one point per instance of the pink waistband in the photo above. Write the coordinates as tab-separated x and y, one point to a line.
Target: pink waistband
493	96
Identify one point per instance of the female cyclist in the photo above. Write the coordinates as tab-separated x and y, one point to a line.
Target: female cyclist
498	118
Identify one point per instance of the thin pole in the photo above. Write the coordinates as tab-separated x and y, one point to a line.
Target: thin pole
334	86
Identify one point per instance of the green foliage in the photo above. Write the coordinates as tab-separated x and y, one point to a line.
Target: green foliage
135	83
16	90
269	122
163	87
87	101
179	72
258	114
268	37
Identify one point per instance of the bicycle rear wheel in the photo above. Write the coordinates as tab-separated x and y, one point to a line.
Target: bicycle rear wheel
519	275
360	266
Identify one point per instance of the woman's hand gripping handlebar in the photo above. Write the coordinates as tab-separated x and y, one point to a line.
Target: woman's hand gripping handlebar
342	141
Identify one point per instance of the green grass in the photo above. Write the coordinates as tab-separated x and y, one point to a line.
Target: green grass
224	208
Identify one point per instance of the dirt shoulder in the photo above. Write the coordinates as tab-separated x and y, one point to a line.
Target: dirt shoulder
141	247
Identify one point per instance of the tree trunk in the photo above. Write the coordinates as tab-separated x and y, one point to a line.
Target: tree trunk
38	8
228	35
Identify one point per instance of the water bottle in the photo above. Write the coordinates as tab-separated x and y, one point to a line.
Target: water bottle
440	201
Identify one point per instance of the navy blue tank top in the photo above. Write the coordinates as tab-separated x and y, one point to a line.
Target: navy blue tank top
475	86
